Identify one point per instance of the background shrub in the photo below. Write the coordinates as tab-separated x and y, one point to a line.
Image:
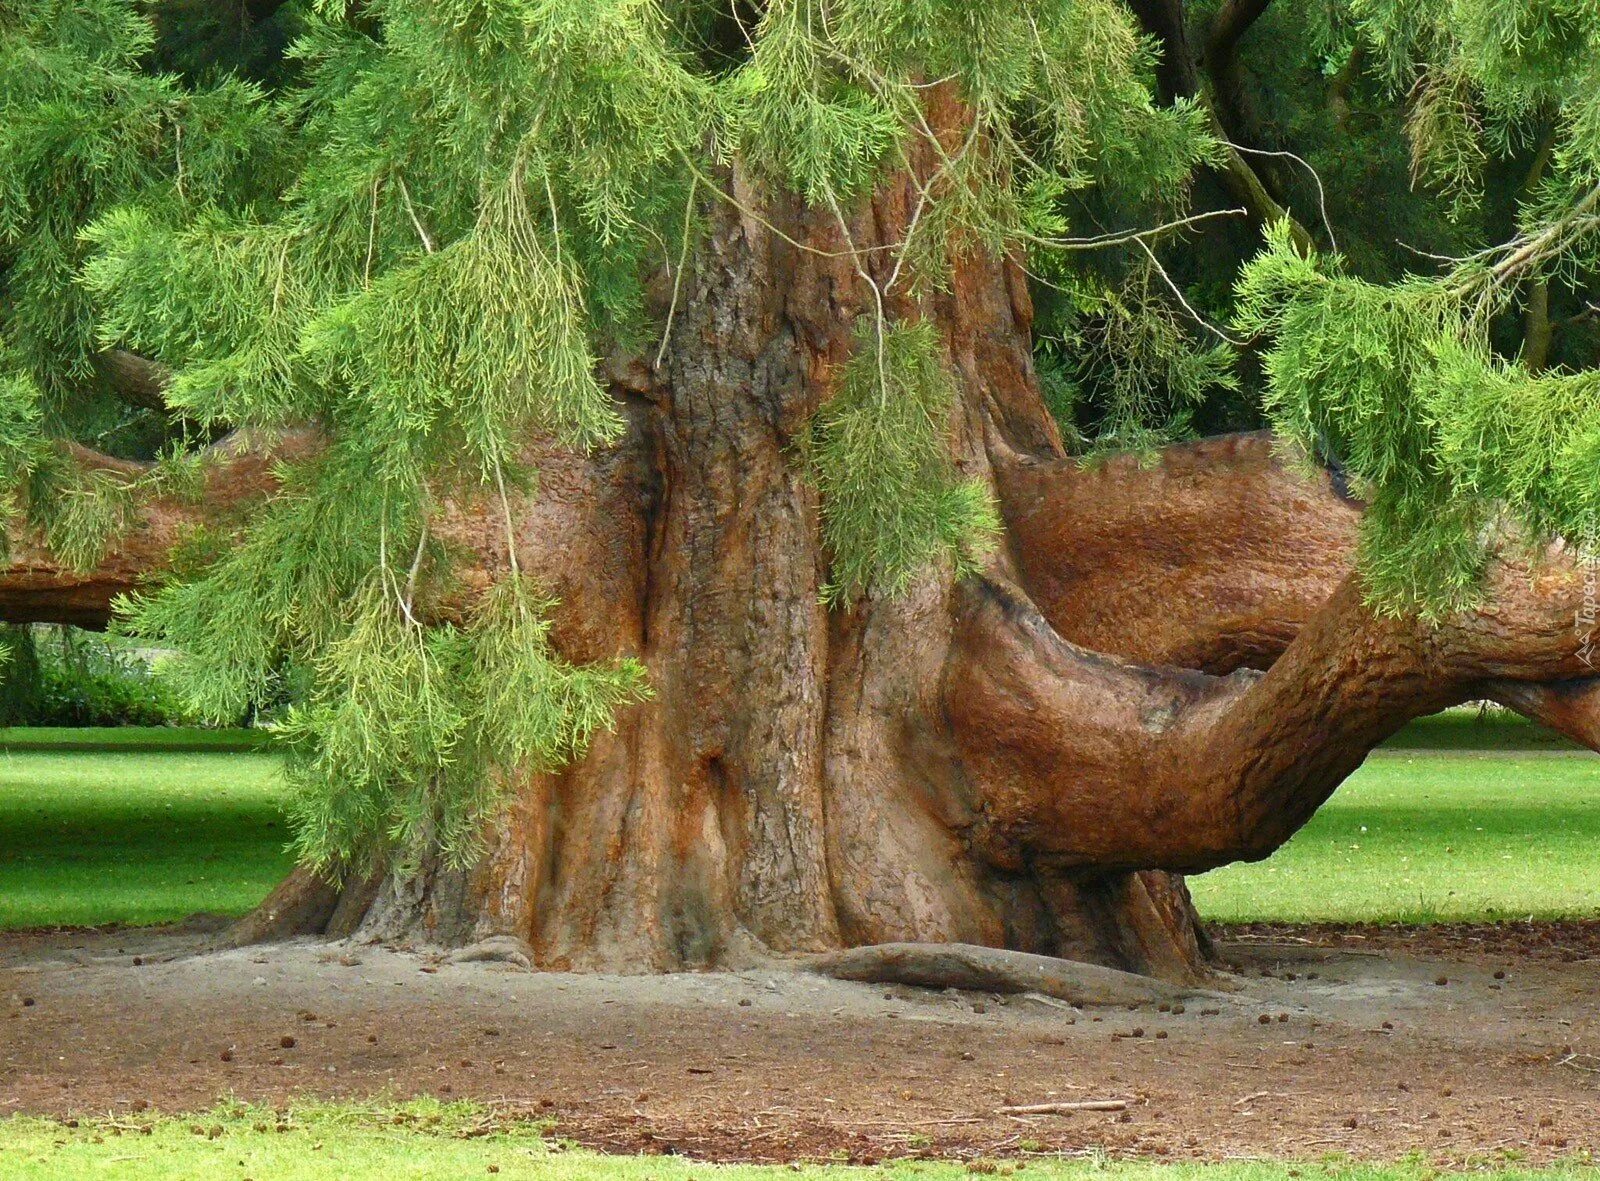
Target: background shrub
62	676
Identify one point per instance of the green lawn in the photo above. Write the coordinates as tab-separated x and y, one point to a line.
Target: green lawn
1461	817
131	738
137	837
1419	835
425	1140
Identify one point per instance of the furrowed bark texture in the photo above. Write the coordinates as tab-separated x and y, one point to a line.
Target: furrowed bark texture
1160	670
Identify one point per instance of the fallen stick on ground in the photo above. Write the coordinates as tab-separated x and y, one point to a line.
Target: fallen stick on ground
1066	1108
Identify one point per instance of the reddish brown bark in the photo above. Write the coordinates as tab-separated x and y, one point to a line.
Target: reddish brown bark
38	588
951	764
1213	557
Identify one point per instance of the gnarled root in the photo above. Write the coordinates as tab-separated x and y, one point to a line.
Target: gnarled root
993	969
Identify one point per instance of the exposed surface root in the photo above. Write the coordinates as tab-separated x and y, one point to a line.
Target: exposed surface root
498	949
991	969
302	904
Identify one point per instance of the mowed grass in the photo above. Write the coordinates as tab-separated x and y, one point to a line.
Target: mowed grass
1432	830
429	1140
90	838
1463	817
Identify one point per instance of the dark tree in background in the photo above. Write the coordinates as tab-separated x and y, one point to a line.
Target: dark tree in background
699	481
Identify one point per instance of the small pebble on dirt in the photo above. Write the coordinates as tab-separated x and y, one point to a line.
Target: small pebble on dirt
27	1002
1161	1033
1442	981
286	1042
1176	1009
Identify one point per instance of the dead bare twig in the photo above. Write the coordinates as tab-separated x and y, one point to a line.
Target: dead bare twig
1065	1108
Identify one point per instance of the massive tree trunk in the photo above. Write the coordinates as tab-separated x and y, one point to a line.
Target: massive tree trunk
973	760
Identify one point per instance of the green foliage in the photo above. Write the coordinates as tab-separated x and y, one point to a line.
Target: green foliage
462	353
279	593
19	675
1397	384
1489	78
409	732
893	501
1124	371
88	680
1055	98
1346	372
85	129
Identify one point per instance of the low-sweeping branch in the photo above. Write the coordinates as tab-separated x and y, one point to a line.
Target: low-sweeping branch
1085	762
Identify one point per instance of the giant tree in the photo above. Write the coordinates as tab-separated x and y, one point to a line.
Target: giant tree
653	459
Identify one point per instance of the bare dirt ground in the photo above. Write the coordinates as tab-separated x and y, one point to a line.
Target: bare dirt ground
1338	1040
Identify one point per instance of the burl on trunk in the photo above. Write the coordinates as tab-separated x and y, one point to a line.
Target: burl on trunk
1162	669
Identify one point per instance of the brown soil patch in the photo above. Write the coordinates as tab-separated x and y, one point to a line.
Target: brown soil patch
1362	1050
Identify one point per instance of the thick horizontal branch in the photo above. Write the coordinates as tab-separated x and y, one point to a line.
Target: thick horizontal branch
37	587
1082	761
578	534
1213	557
137	380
